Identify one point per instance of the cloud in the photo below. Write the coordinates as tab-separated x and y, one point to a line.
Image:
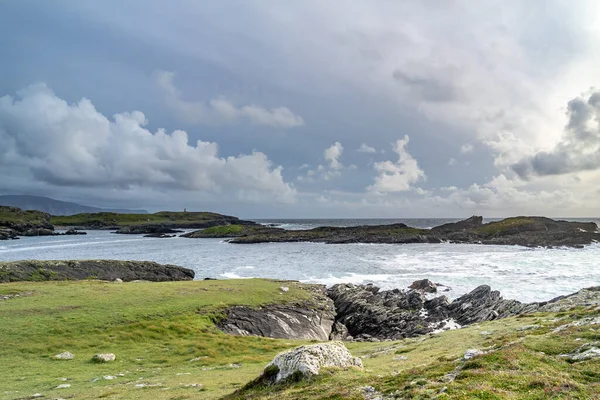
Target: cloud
400	175
578	149
466	148
73	145
332	155
452	161
366	149
427	88
217	111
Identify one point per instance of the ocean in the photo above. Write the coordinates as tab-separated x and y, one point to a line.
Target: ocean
517	272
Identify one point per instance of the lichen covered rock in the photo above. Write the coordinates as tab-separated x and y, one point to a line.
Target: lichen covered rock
307	360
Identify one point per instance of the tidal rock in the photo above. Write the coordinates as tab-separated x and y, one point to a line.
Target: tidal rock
64	356
146	229
305	361
104	357
424	285
159	235
39	232
73	231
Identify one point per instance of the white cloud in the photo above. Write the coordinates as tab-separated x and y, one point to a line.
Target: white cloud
74	145
332	155
220	110
366	149
466	148
452	161
400	175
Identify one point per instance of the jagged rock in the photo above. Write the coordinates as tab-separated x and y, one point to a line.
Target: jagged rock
585	297
109	270
586	352
104	357
309	321
394	314
485	304
339	332
424	285
64	356
305	361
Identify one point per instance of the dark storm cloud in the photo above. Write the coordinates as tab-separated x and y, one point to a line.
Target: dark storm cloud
579	147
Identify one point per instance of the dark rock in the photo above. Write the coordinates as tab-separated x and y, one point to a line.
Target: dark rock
39	232
147	229
159	235
523	231
73	231
339	332
470	223
108	270
305	321
424	285
210	279
485	304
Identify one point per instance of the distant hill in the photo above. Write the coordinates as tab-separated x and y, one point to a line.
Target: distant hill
56	207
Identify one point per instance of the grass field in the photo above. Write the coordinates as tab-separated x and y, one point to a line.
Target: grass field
166	343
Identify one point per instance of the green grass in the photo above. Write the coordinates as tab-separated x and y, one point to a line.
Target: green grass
164	334
224	230
114	219
15	215
505	226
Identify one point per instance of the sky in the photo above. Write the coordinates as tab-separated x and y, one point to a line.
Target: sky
307	109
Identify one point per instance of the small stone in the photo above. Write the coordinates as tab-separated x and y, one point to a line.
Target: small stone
36	395
118	280
63	386
64	356
472	353
102	358
109	377
400	358
528	328
198	385
284	289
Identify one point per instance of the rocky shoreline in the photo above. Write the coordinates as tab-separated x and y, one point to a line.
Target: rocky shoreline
107	270
365	313
522	231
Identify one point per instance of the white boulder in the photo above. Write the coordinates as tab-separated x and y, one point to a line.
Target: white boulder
64	356
102	358
309	359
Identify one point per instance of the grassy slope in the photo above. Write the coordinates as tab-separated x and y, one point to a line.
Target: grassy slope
14	215
106	218
155	329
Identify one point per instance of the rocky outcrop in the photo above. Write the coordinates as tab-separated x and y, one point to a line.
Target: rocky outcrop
371	314
15	222
232	231
485	304
309	321
306	361
146	230
470	223
34	270
584	298
524	231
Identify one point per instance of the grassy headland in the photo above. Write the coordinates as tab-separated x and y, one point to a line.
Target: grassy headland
165	340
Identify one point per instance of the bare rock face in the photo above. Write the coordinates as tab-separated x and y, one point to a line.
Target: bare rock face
424	285
485	304
310	321
109	270
306	361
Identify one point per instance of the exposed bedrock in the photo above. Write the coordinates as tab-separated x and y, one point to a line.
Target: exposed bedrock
311	320
36	270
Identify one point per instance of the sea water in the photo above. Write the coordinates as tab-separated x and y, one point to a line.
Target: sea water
520	273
